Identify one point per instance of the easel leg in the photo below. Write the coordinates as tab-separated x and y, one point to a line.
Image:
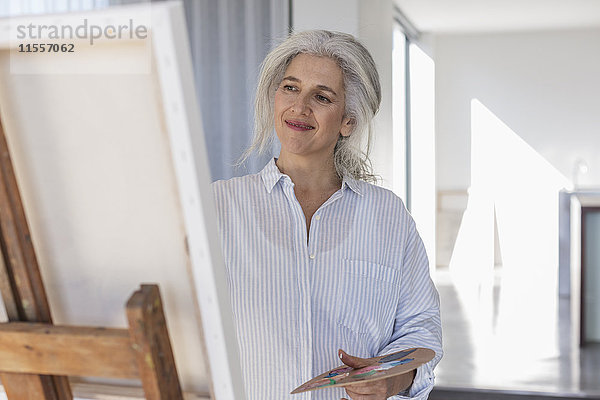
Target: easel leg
22	287
150	338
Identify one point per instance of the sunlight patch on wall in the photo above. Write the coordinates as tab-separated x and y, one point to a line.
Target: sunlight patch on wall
510	178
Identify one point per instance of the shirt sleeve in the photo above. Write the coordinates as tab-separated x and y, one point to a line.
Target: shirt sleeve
417	322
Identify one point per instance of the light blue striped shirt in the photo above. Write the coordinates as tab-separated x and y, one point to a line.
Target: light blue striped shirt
359	282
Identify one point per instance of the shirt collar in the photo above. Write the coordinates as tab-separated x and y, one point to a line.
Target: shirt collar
352	184
271	175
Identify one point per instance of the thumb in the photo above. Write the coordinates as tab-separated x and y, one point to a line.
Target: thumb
351	361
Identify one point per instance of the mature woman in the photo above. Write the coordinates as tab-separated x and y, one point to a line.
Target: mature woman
318	258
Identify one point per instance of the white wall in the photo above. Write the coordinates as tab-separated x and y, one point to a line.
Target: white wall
543	85
333	15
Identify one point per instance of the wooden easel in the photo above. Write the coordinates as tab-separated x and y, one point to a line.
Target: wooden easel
35	356
141	352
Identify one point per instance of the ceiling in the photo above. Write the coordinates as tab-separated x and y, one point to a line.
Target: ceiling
456	16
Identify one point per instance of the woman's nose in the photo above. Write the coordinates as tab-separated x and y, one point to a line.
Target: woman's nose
300	105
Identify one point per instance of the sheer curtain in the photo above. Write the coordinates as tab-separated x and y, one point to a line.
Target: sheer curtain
228	40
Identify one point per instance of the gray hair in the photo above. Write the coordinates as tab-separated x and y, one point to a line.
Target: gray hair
361	84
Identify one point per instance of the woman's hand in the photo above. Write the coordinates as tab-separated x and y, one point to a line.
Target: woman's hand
377	390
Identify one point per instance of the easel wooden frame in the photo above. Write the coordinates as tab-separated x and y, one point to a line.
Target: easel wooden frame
141	352
37	356
21	283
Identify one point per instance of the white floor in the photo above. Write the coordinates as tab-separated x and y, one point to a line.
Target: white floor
474	358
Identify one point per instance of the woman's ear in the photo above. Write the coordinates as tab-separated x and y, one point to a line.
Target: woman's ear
347	126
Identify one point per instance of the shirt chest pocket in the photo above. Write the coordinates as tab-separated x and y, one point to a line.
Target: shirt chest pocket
368	296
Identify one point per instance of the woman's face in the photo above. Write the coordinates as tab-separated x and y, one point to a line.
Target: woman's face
309	108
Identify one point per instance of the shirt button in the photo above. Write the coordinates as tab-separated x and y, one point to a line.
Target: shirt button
312	256
317	217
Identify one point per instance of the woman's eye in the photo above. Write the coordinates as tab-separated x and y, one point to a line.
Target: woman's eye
323	99
289	88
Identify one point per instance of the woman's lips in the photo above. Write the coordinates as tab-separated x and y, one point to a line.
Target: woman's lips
298	125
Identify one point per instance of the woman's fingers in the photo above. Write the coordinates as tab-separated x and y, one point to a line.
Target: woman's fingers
351	361
372	391
366	396
363	391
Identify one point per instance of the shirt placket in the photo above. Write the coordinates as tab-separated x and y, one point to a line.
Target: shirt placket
303	270
307	258
318	219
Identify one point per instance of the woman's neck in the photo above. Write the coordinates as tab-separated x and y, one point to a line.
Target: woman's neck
310	175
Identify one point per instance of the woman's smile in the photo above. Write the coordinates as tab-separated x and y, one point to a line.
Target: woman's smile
298	125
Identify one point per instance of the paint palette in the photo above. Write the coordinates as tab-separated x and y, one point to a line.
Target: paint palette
378	368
